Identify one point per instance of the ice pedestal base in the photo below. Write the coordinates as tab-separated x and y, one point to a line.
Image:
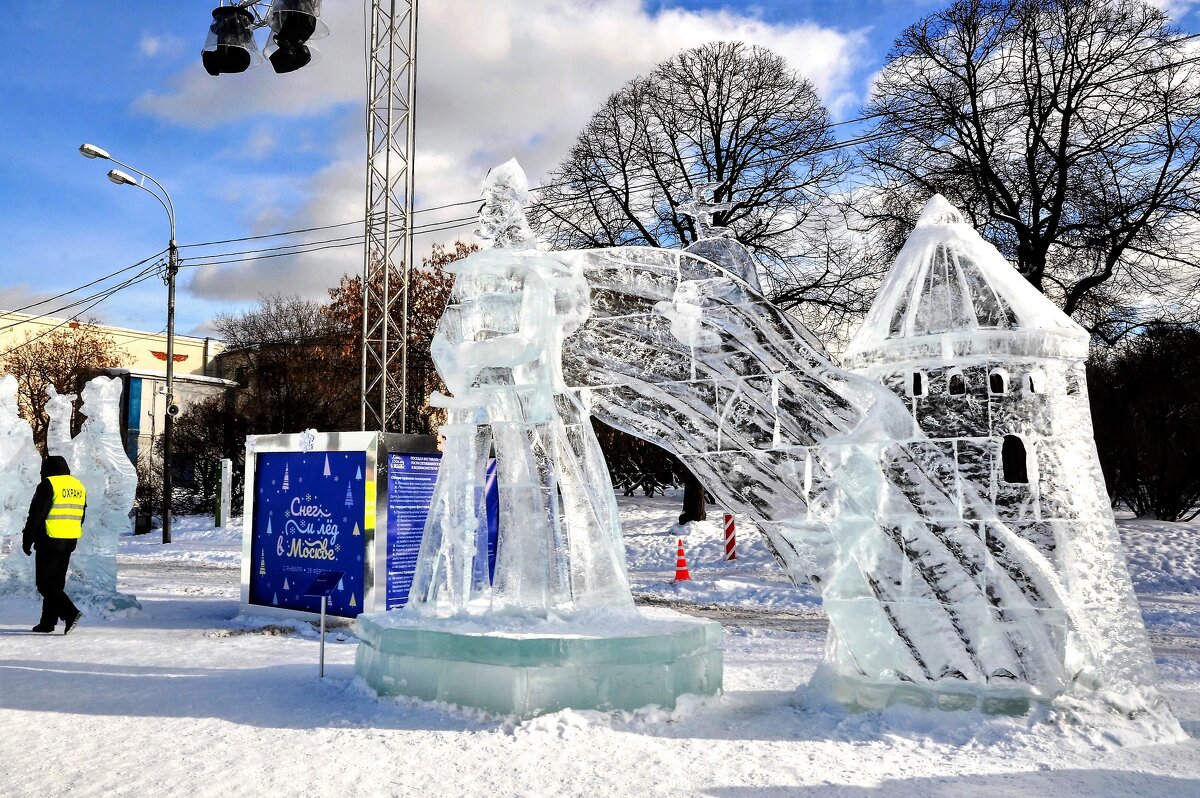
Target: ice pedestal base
861	694
531	668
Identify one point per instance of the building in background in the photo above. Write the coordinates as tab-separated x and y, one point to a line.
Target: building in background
143	371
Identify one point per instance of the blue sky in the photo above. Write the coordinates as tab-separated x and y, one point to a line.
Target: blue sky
261	153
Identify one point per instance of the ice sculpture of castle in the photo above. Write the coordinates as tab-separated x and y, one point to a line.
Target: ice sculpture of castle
993	373
947	579
992	370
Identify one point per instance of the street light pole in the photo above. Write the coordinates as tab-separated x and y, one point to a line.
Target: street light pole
120	178
172	408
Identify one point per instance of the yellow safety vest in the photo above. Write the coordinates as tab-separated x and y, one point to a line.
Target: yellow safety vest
66	513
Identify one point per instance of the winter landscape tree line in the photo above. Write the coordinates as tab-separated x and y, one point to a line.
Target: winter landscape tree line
1068	131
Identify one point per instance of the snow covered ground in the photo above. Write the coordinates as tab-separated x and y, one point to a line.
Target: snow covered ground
188	698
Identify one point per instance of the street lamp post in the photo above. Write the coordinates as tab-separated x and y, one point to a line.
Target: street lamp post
120	178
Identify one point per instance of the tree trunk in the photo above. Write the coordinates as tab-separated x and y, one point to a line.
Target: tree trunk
693	500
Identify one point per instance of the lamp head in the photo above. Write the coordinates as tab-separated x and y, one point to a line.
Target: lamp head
120	178
92	151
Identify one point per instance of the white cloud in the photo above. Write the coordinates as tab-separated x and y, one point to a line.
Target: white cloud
1176	9
496	79
151	45
22	296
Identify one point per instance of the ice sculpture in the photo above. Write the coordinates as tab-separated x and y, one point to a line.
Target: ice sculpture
714	243
502	219
554	626
560	547
20	466
97	458
944	584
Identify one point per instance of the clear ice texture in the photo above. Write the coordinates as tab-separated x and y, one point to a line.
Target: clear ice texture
948	579
20	468
498	349
97	458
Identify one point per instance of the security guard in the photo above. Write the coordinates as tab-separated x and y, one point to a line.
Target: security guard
54	526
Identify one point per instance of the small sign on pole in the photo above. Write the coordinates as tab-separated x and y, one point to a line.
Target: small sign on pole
322	586
224	493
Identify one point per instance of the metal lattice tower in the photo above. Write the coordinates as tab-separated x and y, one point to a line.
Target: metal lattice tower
391	95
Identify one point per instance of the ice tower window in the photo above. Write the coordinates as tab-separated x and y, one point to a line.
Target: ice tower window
1035	382
1012	456
958	383
917	384
998	382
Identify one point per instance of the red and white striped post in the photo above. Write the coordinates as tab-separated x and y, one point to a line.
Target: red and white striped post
730	540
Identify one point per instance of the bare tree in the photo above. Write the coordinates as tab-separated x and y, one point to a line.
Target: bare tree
297	371
61	357
723	113
1146	411
1068	130
429	291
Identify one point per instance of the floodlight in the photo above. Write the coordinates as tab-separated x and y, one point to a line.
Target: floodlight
230	46
293	23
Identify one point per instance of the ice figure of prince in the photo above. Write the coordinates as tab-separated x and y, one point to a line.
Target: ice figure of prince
498	348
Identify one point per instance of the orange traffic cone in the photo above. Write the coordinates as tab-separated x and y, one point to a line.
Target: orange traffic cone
681	569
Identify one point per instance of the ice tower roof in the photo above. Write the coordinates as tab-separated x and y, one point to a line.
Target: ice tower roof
951	294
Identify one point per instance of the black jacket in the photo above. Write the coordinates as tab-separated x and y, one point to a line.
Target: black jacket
34	535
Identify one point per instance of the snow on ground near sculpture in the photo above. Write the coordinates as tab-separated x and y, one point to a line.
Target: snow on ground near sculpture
184	699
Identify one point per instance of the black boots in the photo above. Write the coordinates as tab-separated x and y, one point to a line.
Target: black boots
44	628
74	619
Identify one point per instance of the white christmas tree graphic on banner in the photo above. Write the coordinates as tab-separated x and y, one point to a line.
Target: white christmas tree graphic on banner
326	465
275	598
340	586
353	603
356	533
285	583
262	565
268	524
358	473
349	498
285	478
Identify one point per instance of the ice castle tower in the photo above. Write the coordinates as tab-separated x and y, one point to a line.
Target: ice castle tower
993	373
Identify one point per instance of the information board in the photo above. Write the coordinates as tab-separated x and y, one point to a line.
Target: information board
310	515
411	479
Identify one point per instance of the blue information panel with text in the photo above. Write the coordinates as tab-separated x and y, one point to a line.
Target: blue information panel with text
411	479
309	518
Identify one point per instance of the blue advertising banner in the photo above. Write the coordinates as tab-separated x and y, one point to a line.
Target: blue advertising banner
411	479
309	518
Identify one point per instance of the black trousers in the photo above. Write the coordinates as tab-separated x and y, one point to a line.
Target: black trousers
51	571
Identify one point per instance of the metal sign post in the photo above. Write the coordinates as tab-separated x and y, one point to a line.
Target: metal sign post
322	586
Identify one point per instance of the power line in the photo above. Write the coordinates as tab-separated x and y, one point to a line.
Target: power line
355	243
302	248
81	287
143	274
269	235
102	296
354	238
